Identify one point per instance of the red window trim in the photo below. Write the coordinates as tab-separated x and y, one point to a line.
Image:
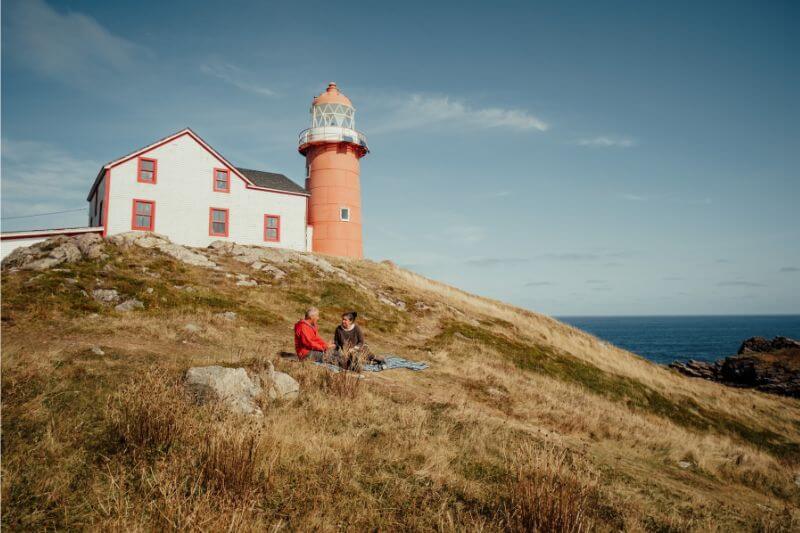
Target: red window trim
152	215
214	179
139	170
278	238
211	222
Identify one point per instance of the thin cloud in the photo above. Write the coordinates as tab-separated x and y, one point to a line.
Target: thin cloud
419	111
539	283
596	281
585	256
607	142
465	234
740	284
634	197
570	256
70	47
789	269
672	278
235	76
495	261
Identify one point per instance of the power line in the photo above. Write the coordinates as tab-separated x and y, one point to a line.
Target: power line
44	214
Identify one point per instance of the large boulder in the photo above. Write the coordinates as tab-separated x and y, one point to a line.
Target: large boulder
236	390
230	386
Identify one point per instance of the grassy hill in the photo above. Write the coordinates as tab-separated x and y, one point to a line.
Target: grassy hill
520	423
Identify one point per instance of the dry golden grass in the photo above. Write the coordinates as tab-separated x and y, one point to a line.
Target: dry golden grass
556	432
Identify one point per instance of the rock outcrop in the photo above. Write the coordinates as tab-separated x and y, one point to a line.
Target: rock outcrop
236	390
160	242
56	251
767	365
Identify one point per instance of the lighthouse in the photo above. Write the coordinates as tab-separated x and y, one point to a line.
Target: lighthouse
333	147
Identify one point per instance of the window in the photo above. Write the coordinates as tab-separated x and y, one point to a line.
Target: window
218	222
222	180
144	215
272	228
344	214
147	171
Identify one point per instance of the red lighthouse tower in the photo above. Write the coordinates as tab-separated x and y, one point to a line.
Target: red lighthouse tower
332	148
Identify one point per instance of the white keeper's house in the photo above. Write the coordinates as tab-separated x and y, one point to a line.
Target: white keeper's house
183	188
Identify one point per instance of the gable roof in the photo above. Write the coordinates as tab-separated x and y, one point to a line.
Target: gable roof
275	183
272	180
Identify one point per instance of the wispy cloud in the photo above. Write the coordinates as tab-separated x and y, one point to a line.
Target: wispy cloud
465	234
607	142
539	283
418	111
587	256
235	76
740	284
500	194
633	197
70	47
495	261
789	269
672	278
39	178
596	281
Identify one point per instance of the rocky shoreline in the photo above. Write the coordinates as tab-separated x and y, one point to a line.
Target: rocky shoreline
771	366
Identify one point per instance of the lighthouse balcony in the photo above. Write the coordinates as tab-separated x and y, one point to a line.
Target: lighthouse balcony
332	134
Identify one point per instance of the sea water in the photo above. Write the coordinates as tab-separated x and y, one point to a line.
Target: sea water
664	339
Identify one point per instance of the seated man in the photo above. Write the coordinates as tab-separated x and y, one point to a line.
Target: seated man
307	341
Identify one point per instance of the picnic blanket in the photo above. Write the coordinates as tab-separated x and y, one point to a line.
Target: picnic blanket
391	362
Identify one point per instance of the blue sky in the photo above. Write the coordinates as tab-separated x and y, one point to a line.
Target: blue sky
570	157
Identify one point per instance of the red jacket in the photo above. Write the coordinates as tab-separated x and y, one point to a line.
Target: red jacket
306	339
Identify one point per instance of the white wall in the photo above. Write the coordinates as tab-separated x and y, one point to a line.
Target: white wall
183	194
9	245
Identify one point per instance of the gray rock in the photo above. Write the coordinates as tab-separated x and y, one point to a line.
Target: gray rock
91	245
149	290
44	255
129	305
247	283
279	385
146	239
192	328
227	315
105	296
97	350
684	464
276	273
230	386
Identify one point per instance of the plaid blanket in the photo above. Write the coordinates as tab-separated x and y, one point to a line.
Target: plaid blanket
391	362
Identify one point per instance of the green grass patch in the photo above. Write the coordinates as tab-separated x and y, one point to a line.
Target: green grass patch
682	410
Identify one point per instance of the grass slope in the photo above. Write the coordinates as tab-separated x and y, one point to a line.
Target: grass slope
521	423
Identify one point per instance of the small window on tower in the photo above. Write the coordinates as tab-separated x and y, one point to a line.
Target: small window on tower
144	215
218	222
272	228
222	180
344	214
148	170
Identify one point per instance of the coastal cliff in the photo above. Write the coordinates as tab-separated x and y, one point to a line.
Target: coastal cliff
767	365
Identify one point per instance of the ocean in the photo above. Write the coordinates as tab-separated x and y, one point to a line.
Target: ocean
664	339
